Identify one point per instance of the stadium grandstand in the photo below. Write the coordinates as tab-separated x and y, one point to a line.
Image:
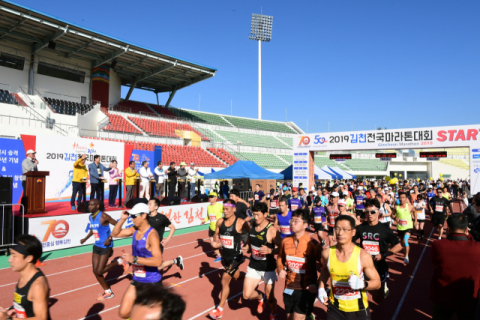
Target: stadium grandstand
58	78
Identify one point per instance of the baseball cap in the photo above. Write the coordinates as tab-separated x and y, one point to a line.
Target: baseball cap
183	164
359	188
334	194
342	202
285	188
139	208
345	193
30	151
213	194
294	189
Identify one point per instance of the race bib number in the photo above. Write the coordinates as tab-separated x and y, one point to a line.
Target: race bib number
139	271
212	217
294	207
359	202
256	197
227	241
342	291
318	219
19	310
439	208
257	255
381	218
402	222
331	220
296	264
273	204
371	247
285	229
95	234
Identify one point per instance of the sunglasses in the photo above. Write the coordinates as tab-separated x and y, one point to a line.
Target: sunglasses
370	211
133	216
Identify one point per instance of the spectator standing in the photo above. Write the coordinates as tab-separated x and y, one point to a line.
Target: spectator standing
145	176
182	177
172	177
192	173
131	174
161	175
97	170
80	174
115	173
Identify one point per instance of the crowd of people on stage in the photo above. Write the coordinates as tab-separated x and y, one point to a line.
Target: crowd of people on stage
329	243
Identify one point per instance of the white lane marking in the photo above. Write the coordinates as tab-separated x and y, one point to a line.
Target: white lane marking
411	279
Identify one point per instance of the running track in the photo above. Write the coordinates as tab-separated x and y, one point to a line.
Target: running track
74	288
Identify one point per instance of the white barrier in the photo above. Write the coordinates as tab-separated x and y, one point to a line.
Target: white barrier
61	232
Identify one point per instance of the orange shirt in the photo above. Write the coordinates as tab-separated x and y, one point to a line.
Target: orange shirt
300	261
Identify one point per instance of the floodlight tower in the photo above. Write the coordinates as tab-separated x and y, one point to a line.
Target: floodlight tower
261	30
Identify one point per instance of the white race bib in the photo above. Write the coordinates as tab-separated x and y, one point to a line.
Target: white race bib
212	217
296	264
318	219
95	235
139	270
227	241
372	247
285	229
439	208
257	255
342	291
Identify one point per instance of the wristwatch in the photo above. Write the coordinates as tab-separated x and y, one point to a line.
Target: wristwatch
135	258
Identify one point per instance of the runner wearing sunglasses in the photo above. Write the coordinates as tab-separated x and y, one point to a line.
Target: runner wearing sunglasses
146	256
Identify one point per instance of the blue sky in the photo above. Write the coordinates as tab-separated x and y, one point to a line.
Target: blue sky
355	64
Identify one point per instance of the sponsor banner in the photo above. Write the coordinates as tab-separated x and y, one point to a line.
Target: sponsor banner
12	155
61	232
300	168
141	155
58	154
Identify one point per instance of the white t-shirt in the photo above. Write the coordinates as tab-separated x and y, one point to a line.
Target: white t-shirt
192	173
161	174
145	174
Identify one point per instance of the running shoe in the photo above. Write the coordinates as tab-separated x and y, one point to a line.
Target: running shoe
407	261
105	296
216	314
261	304
387	291
123	263
218	259
273	317
73	208
179	262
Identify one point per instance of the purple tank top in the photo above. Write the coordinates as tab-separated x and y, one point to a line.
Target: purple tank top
139	249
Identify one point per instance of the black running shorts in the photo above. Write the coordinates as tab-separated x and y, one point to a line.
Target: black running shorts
300	301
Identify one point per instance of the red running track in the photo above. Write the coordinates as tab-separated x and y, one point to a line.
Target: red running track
74	288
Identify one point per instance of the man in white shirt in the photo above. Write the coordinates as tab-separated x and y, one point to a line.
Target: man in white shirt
161	176
145	176
192	173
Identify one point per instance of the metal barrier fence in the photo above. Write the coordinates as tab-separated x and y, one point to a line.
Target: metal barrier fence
245	195
12	224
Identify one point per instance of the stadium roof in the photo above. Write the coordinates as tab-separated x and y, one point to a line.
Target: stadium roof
136	65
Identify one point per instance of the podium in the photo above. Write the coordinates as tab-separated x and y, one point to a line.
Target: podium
35	191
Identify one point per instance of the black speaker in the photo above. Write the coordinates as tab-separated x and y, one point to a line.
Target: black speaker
6	187
52	45
170	201
242	184
200	198
83	207
130	203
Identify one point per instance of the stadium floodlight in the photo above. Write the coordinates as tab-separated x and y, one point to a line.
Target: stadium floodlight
261	30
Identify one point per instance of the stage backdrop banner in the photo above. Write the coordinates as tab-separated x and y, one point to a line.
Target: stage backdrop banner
12	154
141	155
62	232
57	155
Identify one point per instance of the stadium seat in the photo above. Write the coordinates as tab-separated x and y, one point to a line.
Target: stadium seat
164	128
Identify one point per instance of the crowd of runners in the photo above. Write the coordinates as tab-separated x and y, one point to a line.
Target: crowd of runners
329	243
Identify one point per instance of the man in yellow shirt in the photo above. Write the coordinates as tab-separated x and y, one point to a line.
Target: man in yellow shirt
214	212
80	174
131	175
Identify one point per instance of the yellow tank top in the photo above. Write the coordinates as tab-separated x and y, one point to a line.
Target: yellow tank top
341	295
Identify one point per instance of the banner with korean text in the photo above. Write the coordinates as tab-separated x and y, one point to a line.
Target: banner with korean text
12	153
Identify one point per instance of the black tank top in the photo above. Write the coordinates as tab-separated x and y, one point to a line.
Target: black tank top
24	307
258	261
230	240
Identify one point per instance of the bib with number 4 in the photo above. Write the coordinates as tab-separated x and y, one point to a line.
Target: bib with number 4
342	291
139	270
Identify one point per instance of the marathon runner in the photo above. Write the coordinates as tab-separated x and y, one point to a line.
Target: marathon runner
282	221
229	231
406	217
342	208
319	218
103	248
332	214
438	207
385	214
296	263
146	255
420	206
31	295
375	238
258	195
214	212
360	204
347	265
272	202
159	222
296	201
261	242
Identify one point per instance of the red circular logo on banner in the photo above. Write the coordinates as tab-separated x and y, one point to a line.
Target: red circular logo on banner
60	229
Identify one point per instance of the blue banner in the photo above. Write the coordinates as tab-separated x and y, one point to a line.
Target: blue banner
12	153
141	155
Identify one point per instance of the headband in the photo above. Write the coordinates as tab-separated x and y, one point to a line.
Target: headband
20	248
229	205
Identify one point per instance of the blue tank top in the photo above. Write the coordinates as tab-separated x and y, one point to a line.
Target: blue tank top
139	249
359	202
100	232
319	215
294	204
284	223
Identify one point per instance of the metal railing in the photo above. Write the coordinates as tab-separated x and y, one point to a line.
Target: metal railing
9	229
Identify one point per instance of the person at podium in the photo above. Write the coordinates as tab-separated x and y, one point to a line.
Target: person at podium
29	164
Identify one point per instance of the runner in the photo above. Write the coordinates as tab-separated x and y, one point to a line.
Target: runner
261	242
360	204
272	199
103	248
332	213
375	238
342	208
319	217
258	195
385	214
296	201
229	231
438	207
405	214
31	295
420	206
159	222
282	221
346	264
146	256
214	212
296	263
